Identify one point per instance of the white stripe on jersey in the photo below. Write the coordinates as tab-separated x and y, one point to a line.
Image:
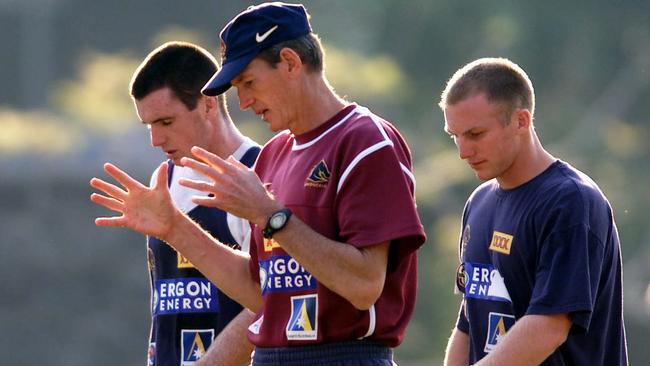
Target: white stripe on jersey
308	144
372	322
358	158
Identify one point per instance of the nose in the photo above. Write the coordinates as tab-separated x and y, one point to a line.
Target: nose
157	136
465	149
245	100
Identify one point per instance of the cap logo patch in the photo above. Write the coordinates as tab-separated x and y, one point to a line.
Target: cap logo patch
260	38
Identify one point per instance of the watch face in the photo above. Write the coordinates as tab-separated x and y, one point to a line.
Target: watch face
277	220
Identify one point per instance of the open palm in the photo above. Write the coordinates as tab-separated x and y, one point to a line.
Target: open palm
147	210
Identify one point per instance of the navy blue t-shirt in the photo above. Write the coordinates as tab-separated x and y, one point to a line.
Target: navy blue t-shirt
187	310
549	246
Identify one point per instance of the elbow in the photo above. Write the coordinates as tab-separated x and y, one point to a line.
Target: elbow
559	338
558	331
364	298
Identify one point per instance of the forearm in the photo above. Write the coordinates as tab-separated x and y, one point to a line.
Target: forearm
356	274
457	353
231	347
227	268
530	341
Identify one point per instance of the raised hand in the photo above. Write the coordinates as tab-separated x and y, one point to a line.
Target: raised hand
234	187
147	210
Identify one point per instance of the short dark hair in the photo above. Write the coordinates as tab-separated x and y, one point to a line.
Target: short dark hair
308	47
500	79
182	67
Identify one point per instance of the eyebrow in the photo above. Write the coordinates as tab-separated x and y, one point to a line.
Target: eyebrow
156	120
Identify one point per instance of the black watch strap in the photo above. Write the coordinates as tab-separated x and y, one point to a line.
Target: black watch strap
276	222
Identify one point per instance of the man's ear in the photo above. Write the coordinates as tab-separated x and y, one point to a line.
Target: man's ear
522	118
291	61
209	102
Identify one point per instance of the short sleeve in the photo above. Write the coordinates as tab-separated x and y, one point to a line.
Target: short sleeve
568	274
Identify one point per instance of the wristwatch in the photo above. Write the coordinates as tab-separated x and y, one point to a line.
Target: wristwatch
276	222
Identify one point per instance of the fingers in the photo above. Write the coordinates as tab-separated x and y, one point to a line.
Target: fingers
201	167
108	188
108	202
211	159
117	221
205	201
161	176
197	184
120	176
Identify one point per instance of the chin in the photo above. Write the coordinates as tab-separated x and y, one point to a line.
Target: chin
483	176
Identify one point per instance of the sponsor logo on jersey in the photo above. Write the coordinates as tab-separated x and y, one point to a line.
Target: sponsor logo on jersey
151	354
483	281
255	327
498	325
303	323
270	244
182	262
185	295
194	343
283	273
501	242
319	176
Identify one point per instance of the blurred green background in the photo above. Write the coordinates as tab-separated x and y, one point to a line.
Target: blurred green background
75	294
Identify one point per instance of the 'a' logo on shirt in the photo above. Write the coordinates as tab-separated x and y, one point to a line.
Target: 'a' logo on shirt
498	325
194	343
501	242
303	323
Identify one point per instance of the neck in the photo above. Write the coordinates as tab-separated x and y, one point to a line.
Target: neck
530	162
226	138
318	103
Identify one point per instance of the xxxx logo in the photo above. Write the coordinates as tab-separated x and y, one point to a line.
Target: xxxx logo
501	242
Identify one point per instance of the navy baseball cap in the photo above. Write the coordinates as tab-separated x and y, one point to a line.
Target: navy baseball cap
253	30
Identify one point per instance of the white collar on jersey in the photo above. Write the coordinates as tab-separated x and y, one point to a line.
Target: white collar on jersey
358	109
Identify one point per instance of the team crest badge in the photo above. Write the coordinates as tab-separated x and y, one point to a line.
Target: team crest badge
303	324
498	325
194	343
319	176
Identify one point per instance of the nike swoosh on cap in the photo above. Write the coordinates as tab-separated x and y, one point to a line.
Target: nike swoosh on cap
260	38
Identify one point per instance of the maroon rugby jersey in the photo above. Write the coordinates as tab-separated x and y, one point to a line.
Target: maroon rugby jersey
351	180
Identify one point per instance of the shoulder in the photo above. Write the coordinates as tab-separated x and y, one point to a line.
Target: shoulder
570	197
484	190
365	124
567	185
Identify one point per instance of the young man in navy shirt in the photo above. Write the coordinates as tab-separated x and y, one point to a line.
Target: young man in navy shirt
540	262
188	312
